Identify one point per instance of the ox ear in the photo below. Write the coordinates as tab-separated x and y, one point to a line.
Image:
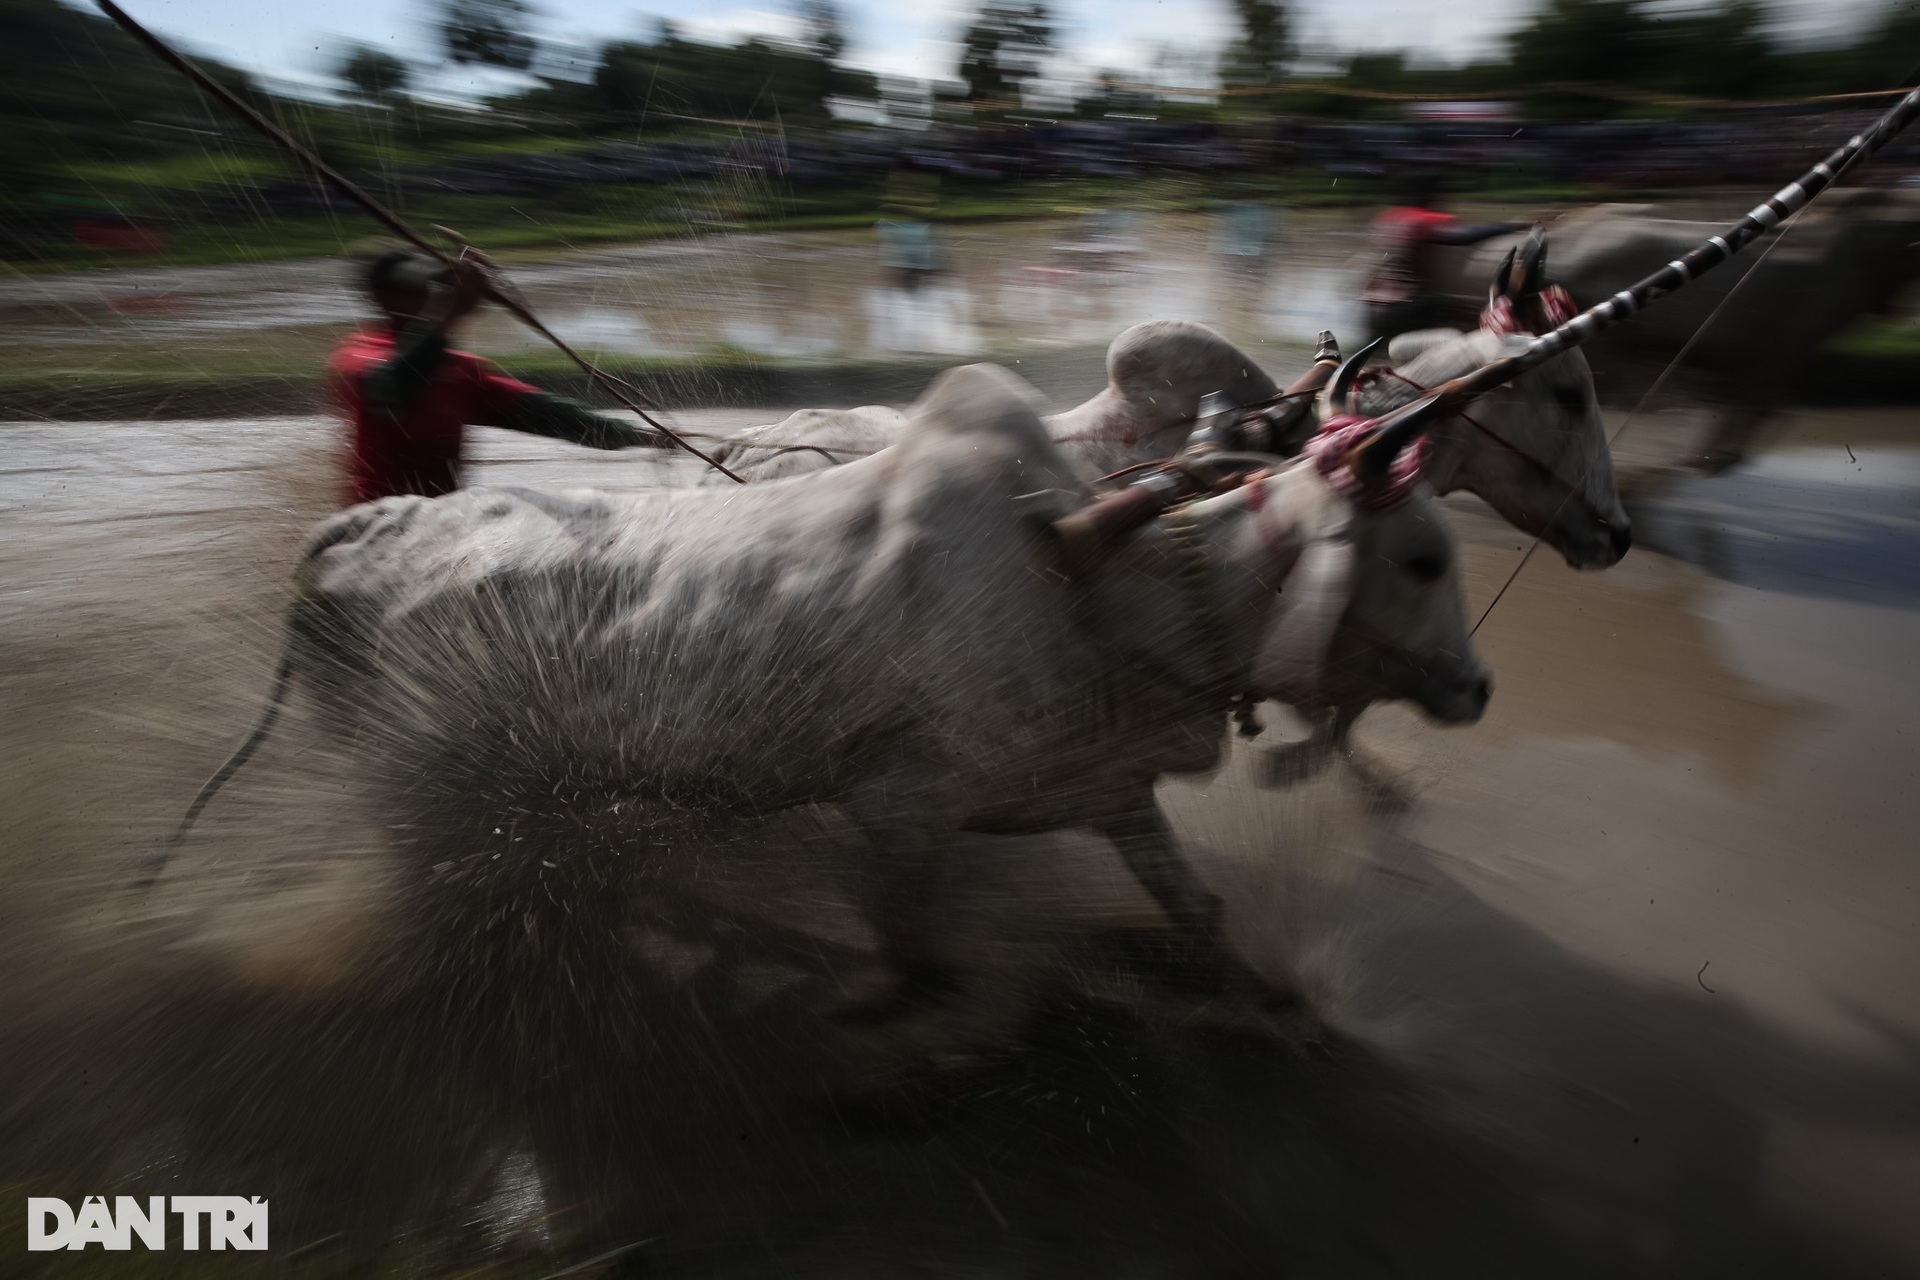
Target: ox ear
1502	279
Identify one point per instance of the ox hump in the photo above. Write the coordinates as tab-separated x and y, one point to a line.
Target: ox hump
1175	362
983	406
387	554
980	424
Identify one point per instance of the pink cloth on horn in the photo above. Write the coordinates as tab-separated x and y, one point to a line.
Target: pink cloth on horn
1329	452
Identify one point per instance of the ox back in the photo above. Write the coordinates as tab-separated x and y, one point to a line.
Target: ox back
688	652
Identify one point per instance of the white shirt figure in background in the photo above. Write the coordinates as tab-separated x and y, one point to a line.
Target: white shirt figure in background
910	251
1241	229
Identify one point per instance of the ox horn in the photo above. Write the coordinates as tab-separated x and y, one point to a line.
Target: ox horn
1374	456
1326	350
1326	361
1502	279
1341	387
1533	263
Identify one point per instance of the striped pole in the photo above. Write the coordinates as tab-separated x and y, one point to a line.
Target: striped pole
1789	200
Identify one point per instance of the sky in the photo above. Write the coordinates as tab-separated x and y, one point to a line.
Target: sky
918	38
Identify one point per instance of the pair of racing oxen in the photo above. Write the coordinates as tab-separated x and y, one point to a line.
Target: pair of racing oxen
909	638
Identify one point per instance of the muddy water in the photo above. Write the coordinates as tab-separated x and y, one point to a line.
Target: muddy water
792	296
1628	986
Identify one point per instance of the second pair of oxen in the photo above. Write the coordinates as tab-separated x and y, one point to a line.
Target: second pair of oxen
894	636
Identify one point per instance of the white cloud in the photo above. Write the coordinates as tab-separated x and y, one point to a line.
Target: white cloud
921	41
734	25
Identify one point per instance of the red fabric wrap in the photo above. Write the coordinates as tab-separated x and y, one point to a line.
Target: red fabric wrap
1554	306
1338	438
1498	316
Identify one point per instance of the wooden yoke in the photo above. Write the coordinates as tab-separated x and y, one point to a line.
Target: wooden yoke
1083	538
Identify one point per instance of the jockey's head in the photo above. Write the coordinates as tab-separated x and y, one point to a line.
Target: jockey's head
400	280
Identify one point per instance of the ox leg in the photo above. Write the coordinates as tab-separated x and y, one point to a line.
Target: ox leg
1383	795
1298	761
1333	736
1735	431
1146	842
1212	970
909	828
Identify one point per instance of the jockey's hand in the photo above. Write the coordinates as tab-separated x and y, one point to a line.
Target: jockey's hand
469	281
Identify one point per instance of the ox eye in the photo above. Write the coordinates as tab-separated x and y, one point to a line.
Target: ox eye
1425	568
1570	399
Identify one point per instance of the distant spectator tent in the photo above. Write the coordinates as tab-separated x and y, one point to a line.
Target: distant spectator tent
1463	112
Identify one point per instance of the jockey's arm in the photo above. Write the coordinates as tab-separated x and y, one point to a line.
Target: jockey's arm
559	418
1458	234
396	384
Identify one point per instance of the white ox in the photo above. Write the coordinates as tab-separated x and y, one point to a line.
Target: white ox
888	636
1535	451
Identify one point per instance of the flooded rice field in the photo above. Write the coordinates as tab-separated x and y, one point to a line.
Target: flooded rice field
1622	980
799	296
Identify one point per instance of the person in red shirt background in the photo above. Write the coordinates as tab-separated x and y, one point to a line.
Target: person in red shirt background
1400	293
408	397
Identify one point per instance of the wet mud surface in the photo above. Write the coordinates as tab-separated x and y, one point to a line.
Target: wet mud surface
1620	981
795	296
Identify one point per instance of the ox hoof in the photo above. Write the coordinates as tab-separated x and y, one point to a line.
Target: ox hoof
1381	798
1719	461
921	986
1380	794
1293	763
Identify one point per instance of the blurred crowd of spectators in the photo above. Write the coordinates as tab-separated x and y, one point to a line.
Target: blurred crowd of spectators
1756	148
1759	148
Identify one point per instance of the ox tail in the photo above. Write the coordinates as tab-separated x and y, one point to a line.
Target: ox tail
269	715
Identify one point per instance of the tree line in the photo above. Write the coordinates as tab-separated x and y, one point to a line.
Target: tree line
1569	58
1601	59
72	86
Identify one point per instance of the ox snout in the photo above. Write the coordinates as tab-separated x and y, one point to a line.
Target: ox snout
1595	546
1457	697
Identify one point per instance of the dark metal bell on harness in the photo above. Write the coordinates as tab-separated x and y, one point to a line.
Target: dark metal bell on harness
1216	424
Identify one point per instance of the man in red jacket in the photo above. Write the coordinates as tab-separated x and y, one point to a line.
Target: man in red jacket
408	397
1400	294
